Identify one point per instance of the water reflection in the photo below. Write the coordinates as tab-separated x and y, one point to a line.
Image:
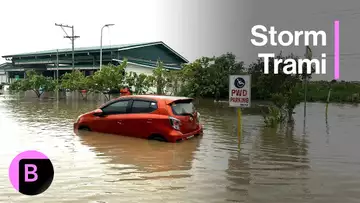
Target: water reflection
239	177
147	156
327	129
279	160
283	142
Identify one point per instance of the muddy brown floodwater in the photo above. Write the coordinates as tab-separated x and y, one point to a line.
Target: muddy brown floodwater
320	165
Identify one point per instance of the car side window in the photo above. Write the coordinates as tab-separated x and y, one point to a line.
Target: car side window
119	107
139	106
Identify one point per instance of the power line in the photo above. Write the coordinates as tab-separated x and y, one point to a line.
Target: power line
72	38
337	11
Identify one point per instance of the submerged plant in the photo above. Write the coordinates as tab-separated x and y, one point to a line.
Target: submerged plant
273	117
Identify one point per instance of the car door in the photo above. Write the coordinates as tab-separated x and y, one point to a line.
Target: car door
115	115
141	118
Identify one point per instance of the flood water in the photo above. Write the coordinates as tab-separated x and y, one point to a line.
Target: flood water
320	165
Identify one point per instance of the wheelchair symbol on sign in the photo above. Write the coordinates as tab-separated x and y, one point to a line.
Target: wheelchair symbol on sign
239	82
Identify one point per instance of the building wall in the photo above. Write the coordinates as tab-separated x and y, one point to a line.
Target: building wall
140	69
2	77
145	70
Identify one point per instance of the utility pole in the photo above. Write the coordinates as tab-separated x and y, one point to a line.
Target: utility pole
72	38
107	25
57	74
308	55
57	65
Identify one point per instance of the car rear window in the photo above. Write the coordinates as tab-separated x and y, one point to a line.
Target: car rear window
183	107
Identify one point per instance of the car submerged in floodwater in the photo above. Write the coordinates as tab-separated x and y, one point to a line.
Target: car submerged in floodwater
163	118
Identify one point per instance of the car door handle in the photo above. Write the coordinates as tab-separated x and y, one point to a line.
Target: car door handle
119	122
149	121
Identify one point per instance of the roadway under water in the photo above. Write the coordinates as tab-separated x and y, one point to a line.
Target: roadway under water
322	165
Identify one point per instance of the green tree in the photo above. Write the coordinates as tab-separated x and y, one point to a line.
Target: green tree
273	117
194	78
220	70
209	77
282	89
173	81
35	82
77	81
141	83
159	78
17	86
110	77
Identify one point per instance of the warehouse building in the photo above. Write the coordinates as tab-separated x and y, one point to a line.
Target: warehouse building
142	58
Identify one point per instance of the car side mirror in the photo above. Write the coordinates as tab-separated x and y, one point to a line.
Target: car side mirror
98	112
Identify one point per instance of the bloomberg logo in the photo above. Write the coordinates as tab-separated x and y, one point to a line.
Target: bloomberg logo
31	172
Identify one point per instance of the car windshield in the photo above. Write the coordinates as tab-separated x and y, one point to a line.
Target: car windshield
183	107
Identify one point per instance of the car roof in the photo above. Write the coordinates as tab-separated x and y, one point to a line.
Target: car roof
168	99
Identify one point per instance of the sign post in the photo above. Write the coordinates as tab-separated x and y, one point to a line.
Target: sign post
239	97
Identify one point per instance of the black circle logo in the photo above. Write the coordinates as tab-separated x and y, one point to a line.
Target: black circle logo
31	172
239	82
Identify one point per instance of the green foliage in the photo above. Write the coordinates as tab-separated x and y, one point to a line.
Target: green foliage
141	83
165	80
282	89
72	80
109	77
194	77
265	85
273	117
35	82
341	91
278	100
173	81
223	66
17	86
209	77
293	97
159	78
77	81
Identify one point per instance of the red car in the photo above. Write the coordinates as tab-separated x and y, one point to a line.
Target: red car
163	118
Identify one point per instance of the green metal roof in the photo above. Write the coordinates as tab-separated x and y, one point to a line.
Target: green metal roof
94	49
80	49
5	65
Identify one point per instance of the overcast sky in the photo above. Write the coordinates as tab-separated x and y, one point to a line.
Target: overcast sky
194	28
